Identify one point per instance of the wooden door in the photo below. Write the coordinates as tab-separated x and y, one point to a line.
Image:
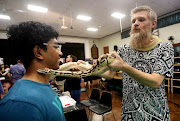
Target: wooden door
106	49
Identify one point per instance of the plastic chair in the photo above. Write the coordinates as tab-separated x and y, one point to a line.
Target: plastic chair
93	99
105	105
84	90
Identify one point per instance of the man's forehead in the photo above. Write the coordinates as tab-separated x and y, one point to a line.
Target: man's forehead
139	14
54	41
59	43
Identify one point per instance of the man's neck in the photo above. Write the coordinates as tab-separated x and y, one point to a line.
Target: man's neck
149	44
33	75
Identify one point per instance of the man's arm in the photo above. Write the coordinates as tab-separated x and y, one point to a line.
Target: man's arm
151	80
108	75
9	75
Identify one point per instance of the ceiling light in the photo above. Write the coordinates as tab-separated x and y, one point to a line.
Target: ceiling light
92	29
37	8
63	27
118	15
21	11
82	17
4	17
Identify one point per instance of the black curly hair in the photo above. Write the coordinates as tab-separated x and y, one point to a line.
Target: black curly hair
26	35
74	58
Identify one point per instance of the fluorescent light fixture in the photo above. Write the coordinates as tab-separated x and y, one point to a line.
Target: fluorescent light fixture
63	27
92	29
4	17
21	11
82	17
37	8
118	15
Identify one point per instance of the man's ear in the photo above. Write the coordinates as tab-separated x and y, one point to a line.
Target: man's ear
38	52
154	24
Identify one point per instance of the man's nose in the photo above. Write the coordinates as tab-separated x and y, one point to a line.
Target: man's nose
136	23
60	53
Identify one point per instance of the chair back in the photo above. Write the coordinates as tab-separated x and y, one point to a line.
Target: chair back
95	94
84	90
106	99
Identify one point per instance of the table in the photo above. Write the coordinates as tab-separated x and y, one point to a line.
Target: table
77	113
72	113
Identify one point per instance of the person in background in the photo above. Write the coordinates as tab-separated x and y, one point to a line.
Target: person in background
87	81
145	64
6	84
31	98
1	88
73	84
3	73
59	81
16	71
6	68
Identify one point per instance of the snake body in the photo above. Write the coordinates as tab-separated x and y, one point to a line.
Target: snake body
96	69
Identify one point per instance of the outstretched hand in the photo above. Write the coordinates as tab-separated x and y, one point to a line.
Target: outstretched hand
117	64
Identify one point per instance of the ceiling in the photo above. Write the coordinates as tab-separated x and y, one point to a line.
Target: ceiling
99	10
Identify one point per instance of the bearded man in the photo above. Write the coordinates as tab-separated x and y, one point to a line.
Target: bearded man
145	64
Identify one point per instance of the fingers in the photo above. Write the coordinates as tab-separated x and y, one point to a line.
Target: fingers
81	61
114	53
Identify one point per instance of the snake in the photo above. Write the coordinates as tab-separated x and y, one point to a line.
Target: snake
99	67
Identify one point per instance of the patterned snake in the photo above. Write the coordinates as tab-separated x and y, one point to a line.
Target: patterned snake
96	69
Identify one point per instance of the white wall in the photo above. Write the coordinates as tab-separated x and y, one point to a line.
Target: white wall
3	35
115	39
173	30
110	41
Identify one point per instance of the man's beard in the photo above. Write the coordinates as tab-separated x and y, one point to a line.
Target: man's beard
138	40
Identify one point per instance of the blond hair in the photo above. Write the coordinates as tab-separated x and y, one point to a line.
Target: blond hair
152	15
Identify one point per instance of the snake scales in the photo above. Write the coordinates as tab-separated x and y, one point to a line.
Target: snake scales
96	69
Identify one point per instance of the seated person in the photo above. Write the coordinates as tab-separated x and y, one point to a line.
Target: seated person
6	85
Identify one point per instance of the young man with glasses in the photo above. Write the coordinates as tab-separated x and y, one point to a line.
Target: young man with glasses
32	98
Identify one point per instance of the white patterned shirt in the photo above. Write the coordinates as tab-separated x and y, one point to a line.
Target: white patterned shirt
140	102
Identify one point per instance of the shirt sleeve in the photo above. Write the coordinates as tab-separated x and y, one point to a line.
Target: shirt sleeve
165	62
24	71
9	70
120	49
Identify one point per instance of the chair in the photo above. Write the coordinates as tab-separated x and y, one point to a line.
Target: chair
93	99
105	105
84	90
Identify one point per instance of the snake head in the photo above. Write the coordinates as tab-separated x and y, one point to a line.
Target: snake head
106	57
44	70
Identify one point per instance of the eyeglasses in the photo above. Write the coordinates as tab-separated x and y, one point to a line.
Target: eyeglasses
56	46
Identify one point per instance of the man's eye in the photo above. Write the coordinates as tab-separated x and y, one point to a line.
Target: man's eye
141	20
56	46
133	21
